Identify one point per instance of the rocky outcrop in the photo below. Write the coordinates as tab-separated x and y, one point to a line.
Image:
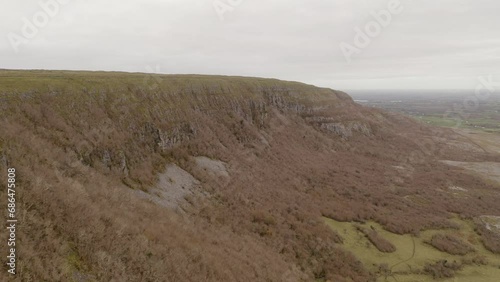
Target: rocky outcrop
174	185
171	138
345	130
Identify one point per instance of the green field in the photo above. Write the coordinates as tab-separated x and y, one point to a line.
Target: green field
461	109
485	124
413	253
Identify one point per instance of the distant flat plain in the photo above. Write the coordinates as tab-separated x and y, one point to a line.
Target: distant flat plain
459	109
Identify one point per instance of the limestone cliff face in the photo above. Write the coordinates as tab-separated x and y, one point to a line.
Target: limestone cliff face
177	111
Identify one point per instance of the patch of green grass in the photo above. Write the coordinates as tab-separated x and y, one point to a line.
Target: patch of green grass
413	253
19	81
74	261
440	121
481	123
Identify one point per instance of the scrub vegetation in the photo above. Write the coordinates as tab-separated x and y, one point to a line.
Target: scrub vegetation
277	157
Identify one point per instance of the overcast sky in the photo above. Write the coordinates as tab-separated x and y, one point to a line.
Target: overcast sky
441	44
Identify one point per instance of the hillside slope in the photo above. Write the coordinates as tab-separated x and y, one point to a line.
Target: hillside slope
136	177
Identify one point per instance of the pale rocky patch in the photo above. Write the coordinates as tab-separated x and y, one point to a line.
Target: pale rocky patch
492	223
456	188
172	187
214	167
489	170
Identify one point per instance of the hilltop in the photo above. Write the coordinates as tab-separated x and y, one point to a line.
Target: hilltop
145	177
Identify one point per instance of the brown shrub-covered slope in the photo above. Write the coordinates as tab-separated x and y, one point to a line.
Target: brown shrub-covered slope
378	241
450	244
88	146
489	235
